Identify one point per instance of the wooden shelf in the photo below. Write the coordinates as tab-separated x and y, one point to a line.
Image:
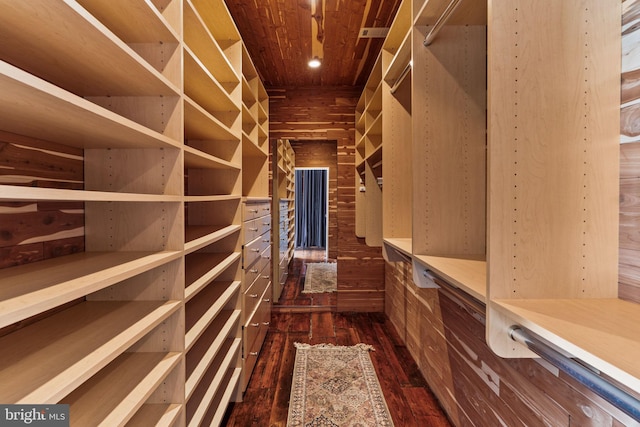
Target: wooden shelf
218	20
605	333
212	198
466	13
202	125
204	351
203	396
32	107
467	273
121	387
201	86
203	310
402	245
160	415
400	61
142	22
33	288
14	193
204	45
52	357
194	158
199	236
96	64
251	149
203	268
225	394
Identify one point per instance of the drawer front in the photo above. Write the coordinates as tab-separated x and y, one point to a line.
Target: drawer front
256	227
258	333
253	250
258	323
255	209
260	268
264	224
252	296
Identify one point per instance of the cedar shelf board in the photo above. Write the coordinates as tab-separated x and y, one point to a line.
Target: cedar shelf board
604	333
27	290
52	357
466	272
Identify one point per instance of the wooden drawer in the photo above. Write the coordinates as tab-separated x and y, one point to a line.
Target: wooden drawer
256	227
255	209
252	296
253	250
262	267
257	325
256	330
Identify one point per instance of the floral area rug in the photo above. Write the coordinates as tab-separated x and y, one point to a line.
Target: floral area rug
320	277
336	386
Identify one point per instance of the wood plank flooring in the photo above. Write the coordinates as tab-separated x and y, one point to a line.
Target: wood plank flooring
311	318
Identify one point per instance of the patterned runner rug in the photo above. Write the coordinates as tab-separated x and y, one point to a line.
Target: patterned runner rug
336	386
320	277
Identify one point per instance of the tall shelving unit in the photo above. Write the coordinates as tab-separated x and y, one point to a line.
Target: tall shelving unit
119	339
144	327
257	293
513	169
369	155
397	132
213	191
283	166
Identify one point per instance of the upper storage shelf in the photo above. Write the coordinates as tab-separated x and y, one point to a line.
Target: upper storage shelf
30	106
96	64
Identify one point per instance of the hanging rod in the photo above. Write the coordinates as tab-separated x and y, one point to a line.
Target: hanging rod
440	22
594	382
398	81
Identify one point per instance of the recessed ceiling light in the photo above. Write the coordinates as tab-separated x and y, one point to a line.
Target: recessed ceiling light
315	62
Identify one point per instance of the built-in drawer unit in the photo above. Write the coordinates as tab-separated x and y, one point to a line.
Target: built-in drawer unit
256	283
254	331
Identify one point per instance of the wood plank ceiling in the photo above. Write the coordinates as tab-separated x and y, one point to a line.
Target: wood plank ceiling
282	35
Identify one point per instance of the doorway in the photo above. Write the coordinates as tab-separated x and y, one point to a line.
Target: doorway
311	208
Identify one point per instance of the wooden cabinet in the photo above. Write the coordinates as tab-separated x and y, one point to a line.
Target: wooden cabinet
284	210
500	142
256	286
161	104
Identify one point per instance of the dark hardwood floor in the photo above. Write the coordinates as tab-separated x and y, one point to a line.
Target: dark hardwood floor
311	318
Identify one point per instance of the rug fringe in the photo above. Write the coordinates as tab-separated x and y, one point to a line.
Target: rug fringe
359	346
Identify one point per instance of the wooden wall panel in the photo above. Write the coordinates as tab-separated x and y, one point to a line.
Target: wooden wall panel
445	334
629	263
34	231
321	154
328	113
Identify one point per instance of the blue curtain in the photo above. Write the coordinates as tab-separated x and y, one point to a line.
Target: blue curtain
311	208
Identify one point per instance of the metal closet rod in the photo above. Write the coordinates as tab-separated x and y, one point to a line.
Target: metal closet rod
400	78
594	382
441	21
